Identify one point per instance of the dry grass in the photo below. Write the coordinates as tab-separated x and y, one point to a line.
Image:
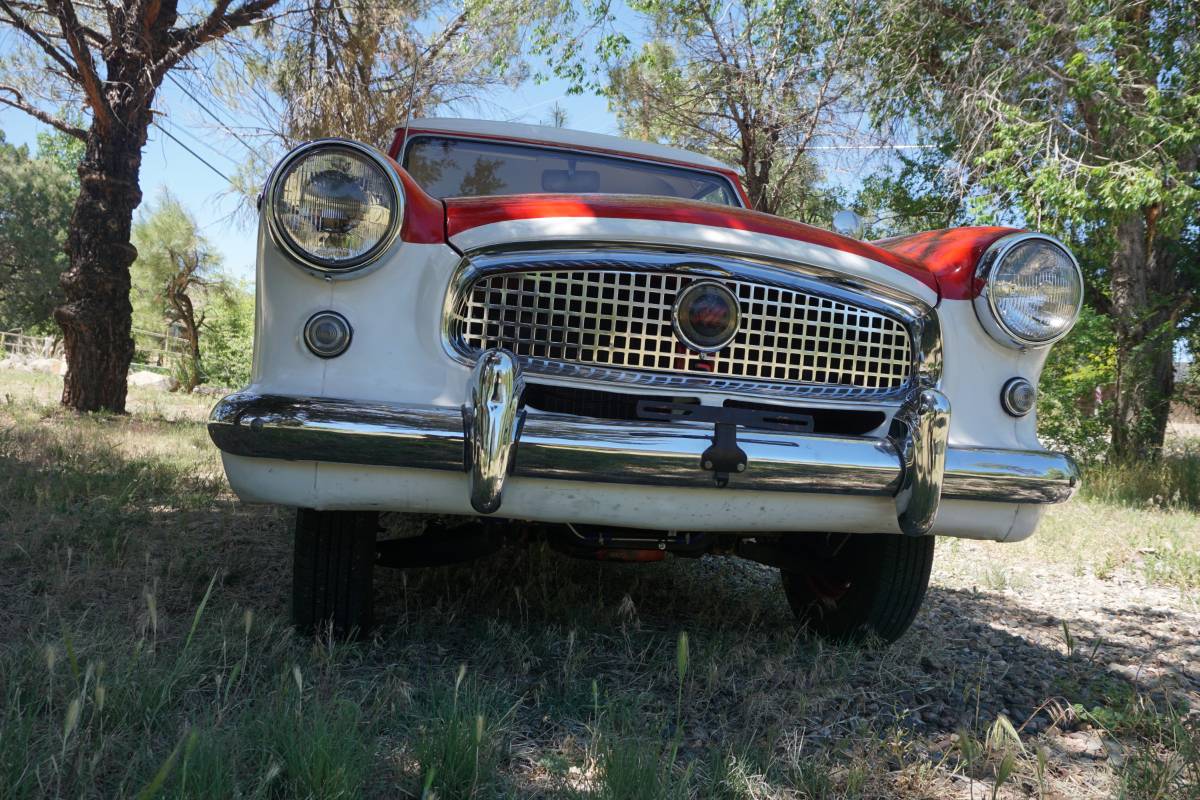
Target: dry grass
144	651
1092	538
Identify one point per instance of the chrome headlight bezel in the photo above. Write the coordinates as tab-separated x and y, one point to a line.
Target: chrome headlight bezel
986	309
307	260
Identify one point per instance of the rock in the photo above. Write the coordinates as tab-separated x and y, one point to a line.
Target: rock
152	380
50	366
1083	743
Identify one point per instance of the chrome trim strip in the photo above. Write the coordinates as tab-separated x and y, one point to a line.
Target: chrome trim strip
985	303
604	451
492	419
917	317
305	260
923	454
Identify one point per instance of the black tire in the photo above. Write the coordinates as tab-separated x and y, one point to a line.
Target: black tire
867	585
333	568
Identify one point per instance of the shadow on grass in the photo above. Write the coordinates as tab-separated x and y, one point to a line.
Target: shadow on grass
168	653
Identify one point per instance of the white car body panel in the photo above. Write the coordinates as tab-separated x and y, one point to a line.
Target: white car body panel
351	486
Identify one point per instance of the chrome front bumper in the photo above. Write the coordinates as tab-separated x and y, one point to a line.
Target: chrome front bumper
492	437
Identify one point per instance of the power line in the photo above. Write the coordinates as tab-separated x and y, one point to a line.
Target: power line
195	155
183	131
210	113
872	147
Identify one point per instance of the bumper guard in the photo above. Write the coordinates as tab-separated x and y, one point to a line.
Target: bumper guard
492	436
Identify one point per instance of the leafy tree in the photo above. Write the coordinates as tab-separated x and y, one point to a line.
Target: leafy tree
1080	114
64	151
1072	410
175	273
915	193
753	83
228	342
358	68
110	60
33	225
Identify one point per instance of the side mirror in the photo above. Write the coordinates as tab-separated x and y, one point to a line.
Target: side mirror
847	223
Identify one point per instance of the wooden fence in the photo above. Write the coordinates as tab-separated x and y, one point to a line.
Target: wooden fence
15	343
156	352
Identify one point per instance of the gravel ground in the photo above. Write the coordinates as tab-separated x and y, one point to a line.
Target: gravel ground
1054	656
1014	650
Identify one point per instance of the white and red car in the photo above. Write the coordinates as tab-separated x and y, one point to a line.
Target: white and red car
595	338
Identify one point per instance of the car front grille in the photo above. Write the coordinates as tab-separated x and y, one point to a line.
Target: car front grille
621	319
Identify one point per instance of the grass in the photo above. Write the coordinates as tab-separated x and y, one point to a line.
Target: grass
1173	482
145	652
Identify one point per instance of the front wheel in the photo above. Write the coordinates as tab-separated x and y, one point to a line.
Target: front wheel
867	584
333	568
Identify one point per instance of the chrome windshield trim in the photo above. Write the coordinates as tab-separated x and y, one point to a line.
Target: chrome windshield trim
916	316
710	172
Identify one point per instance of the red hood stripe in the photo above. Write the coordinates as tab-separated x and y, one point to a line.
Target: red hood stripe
463	214
950	254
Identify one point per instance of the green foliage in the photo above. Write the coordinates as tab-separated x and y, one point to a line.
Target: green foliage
176	283
458	746
163	234
227	346
322	747
1172	481
1078	366
38	198
63	151
916	193
1079	116
754	85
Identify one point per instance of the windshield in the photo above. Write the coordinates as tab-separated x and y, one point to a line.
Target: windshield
450	167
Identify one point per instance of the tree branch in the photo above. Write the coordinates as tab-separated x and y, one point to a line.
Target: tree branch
18	102
184	41
93	87
39	38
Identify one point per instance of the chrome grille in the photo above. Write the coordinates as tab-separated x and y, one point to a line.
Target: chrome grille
622	319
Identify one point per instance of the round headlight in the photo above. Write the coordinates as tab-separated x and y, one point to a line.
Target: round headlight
335	206
1032	290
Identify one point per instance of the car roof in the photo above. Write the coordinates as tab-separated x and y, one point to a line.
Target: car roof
565	137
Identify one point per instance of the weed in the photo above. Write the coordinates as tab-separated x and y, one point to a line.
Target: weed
458	740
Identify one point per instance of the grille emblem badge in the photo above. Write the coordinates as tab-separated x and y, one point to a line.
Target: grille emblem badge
706	316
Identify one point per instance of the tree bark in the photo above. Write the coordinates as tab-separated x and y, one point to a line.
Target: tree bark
1142	282
96	318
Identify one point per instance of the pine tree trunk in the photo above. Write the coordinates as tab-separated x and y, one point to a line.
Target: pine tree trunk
97	316
1142	285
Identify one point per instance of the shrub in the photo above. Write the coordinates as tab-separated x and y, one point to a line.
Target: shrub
1170	482
227	339
1076	368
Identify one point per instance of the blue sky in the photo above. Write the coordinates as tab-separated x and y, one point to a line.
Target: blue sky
205	194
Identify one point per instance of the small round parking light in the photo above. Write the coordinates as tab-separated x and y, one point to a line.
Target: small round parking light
706	316
327	334
1018	397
